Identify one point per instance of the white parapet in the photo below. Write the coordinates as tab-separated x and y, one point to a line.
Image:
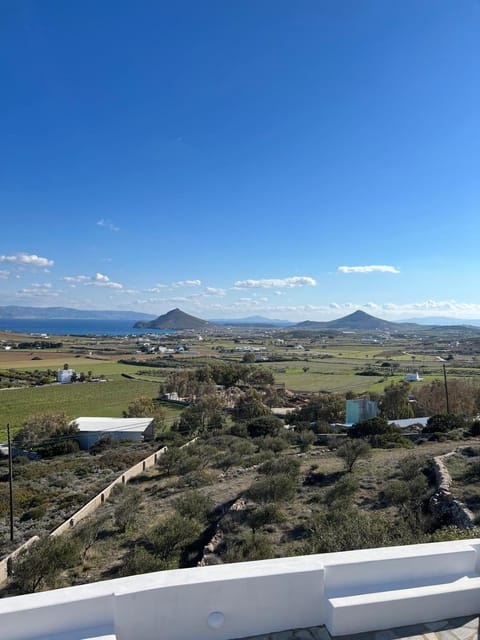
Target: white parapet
350	592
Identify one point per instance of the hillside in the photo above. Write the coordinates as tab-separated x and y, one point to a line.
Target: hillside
357	321
174	319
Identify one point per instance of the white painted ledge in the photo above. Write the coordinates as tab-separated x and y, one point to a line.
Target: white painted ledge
355	590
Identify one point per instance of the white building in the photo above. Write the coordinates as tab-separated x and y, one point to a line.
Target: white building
64	376
413	377
90	430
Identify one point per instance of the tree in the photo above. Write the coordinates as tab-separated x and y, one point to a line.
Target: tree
143	407
49	433
394	404
442	423
463	396
40	565
89	533
379	433
351	451
205	415
248	357
267	425
325	407
250	406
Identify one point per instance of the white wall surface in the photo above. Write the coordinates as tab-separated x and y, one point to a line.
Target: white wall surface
231	601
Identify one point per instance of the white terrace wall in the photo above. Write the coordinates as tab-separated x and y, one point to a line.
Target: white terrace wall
253	598
100	498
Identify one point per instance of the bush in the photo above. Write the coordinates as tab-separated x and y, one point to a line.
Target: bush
126	511
170	538
41	564
194	505
278	466
442	423
475	428
265	426
275	488
35	513
250	547
262	516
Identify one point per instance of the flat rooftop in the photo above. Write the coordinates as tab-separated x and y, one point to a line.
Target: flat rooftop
112	424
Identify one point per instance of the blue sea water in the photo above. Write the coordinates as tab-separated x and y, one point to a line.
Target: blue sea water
76	327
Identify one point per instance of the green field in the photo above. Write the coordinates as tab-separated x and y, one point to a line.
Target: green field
87	399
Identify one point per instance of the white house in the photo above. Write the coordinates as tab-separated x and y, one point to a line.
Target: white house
64	376
413	377
90	430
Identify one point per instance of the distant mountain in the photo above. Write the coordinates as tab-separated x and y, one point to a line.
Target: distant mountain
175	319
253	321
66	313
445	321
357	321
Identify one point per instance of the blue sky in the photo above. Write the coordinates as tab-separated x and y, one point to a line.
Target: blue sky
290	159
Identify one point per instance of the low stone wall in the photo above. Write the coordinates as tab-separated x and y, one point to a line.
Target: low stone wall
443	503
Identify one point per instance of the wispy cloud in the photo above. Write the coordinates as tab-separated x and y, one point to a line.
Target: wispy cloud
214	291
37	291
98	280
269	283
4	274
26	259
76	278
187	283
107	224
369	268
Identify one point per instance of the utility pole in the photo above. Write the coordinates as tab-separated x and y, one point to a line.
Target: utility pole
446	388
10	480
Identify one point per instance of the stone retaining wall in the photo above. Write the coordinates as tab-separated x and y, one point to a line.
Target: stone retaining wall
443	503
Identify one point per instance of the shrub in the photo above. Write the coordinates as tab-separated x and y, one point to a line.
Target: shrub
442	423
265	426
126	511
194	505
351	451
170	538
274	488
286	466
250	547
41	564
264	515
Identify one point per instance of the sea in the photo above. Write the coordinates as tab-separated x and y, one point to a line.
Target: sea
77	327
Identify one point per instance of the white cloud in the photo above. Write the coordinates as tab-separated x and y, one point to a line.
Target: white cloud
26	259
187	283
4	274
382	268
75	278
214	291
99	277
37	292
107	224
157	288
103	283
268	283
